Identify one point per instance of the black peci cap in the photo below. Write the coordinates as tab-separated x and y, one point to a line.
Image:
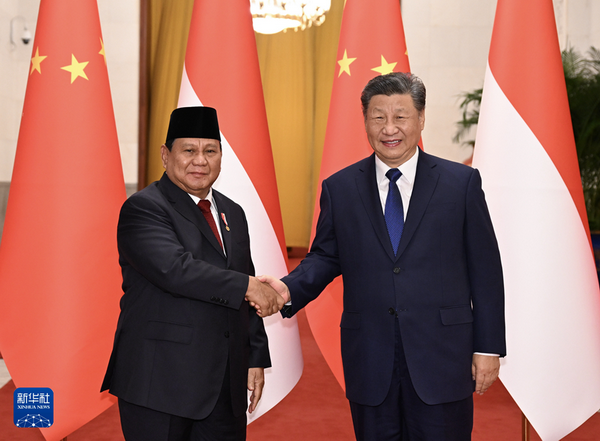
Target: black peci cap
193	122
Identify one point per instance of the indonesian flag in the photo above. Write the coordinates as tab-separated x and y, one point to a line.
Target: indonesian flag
359	60
221	70
526	153
59	272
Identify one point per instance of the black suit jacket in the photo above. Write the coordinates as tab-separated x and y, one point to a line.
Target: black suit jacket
445	285
183	314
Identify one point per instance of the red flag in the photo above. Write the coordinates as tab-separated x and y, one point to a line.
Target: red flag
526	153
359	60
59	273
221	71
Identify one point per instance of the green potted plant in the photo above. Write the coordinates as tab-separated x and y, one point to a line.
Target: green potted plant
582	76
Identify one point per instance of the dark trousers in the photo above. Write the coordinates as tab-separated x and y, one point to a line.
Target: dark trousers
403	416
143	424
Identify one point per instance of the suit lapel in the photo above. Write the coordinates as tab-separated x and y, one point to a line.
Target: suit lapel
185	206
425	182
366	184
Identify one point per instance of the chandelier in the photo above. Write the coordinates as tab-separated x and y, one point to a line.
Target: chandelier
272	16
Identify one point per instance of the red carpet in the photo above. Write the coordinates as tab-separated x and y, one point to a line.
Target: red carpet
315	410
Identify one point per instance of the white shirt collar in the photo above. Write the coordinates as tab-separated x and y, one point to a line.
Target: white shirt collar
408	169
209	196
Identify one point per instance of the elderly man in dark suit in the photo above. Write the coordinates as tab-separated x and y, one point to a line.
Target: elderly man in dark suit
188	345
422	326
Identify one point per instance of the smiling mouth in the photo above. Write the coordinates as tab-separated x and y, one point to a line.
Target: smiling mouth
391	142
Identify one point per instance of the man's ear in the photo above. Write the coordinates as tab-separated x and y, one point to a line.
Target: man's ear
164	154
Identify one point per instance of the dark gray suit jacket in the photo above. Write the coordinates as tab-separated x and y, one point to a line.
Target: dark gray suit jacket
183	315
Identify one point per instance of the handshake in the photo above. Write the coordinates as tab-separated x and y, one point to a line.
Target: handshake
267	295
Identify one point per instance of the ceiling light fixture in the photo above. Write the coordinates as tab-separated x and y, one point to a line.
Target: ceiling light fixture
273	16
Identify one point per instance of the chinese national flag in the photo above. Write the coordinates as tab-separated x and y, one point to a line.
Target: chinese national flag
221	70
526	153
59	273
359	60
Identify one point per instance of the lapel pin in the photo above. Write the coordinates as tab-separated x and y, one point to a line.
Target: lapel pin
225	221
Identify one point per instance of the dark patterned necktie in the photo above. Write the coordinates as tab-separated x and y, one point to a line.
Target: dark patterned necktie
204	205
394	212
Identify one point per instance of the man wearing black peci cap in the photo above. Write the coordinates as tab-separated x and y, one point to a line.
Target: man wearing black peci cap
188	344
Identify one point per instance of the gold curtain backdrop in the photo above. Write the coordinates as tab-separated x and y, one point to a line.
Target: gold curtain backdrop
168	24
297	70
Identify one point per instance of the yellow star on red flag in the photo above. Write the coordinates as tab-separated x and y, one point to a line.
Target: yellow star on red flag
76	68
345	63
36	61
102	51
385	67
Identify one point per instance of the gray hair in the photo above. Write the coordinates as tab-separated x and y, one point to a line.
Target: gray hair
401	83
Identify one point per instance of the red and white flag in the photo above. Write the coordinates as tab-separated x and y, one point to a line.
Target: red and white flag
60	281
221	70
359	59
526	153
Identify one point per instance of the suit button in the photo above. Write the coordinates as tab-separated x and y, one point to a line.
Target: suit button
226	334
213	298
392	311
397	270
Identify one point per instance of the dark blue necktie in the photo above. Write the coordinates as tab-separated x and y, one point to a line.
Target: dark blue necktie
394	212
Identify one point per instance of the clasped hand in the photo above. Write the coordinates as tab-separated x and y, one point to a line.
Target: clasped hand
263	297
